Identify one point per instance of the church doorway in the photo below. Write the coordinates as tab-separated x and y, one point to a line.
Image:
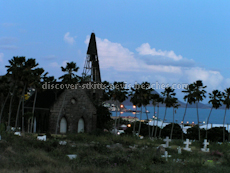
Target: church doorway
81	126
63	125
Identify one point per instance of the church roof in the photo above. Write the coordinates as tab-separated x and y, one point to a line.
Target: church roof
45	99
92	48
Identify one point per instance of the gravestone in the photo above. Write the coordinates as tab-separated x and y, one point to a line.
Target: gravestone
167	140
187	143
62	142
166	155
205	149
179	150
17	133
72	156
41	138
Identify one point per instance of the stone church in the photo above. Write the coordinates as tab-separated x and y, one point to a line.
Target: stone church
69	110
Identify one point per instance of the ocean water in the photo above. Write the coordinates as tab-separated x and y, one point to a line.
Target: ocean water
191	115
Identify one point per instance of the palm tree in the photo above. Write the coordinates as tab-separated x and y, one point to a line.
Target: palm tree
199	95
69	78
154	98
189	90
14	72
4	94
134	99
226	102
168	94
175	105
146	98
24	77
215	99
37	76
118	94
159	100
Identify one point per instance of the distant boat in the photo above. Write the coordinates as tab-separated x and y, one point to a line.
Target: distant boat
146	111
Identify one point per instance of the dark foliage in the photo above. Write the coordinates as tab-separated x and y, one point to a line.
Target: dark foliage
216	134
192	133
104	120
177	131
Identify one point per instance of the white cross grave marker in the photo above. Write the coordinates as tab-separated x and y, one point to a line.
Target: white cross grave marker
17	133
167	140
205	149
41	138
179	150
166	155
187	143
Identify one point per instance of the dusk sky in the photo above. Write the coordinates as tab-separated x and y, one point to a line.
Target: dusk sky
155	41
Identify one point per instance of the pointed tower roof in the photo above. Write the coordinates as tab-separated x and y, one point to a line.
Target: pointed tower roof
92	48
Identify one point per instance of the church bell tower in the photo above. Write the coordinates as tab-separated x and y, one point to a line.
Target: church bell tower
91	69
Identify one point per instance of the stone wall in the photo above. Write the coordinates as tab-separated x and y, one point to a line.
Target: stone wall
82	108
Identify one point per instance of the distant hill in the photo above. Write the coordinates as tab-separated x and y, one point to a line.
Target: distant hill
182	104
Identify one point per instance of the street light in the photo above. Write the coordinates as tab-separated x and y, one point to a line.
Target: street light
134	106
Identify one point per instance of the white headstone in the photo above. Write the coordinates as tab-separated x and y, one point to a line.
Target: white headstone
62	142
167	140
187	143
179	150
17	133
41	138
166	155
205	149
72	156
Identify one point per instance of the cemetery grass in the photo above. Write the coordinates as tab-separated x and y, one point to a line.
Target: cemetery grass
27	154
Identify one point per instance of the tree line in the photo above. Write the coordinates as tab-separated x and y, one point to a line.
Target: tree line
23	73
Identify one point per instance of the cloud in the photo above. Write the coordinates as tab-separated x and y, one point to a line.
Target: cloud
7	40
64	63
213	79
145	49
8	24
8	47
54	64
50	57
68	39
1	57
118	63
157	60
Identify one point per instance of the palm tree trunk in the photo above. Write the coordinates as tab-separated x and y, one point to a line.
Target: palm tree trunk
19	105
35	98
115	121
153	121
10	110
163	122
155	135
147	119
23	99
206	135
134	128
198	120
139	130
60	113
119	118
3	105
223	125
183	121
172	126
